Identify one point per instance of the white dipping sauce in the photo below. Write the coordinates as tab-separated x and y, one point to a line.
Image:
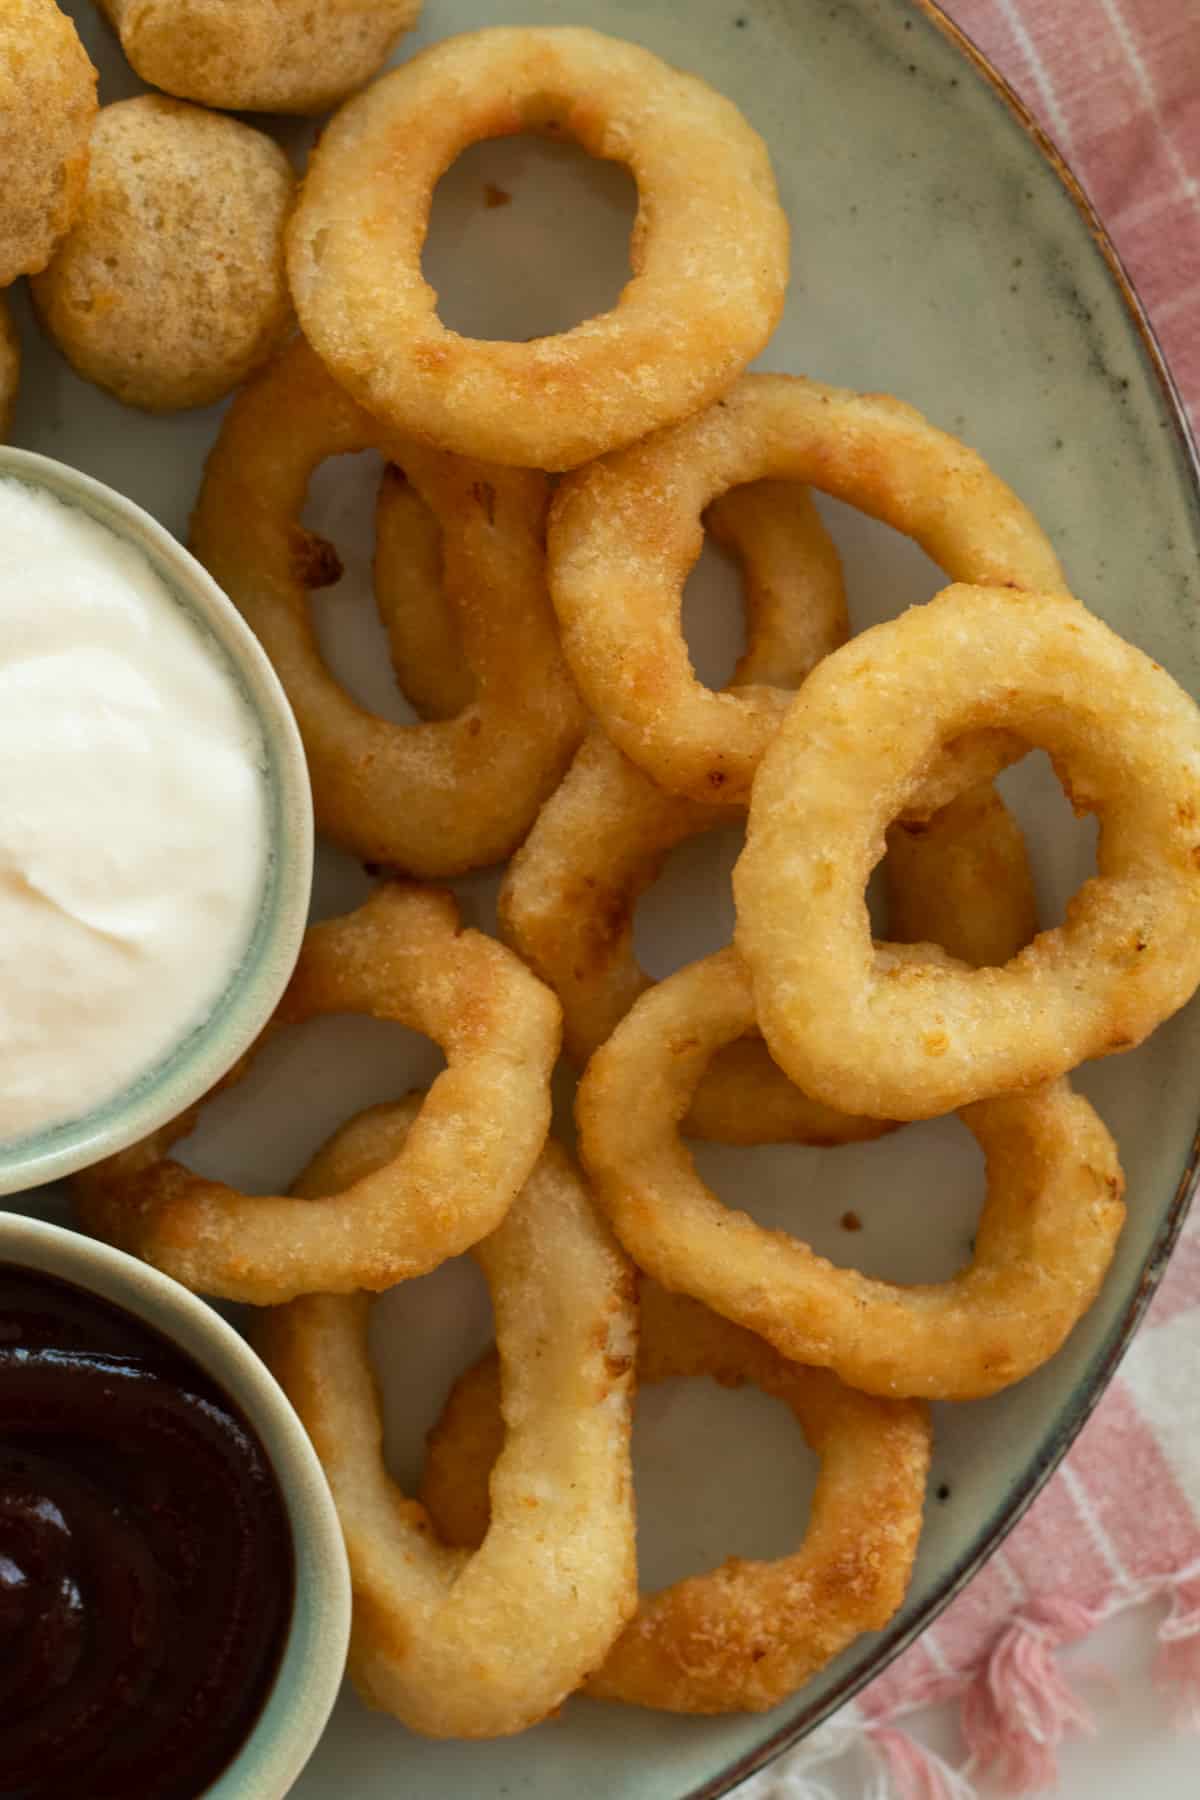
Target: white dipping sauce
133	824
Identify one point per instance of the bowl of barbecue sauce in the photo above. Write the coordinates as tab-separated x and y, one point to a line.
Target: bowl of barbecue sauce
174	1596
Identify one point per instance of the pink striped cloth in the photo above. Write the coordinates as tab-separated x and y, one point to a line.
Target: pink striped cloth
1116	83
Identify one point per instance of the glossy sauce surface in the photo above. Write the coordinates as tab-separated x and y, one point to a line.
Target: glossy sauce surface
146	1570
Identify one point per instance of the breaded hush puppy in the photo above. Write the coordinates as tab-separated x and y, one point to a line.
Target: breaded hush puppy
47	105
170	287
288	56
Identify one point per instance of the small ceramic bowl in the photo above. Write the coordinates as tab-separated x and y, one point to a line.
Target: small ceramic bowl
310	1670
210	1049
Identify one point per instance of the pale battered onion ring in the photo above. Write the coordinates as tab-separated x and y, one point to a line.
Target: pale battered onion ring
625	532
568	899
793	595
422	628
482	1644
1050	1221
401	956
431	799
709	249
567	904
745	1635
10	366
913	1040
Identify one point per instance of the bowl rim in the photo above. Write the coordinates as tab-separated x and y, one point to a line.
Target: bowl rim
309	1676
199	1058
1023	1491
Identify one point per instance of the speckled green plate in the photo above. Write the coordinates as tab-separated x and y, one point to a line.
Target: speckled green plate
939	254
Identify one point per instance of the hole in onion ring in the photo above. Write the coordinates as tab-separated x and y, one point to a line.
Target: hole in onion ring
1062	847
713	1443
713	616
688	911
869	548
340	511
568	212
449	1314
806	1192
330	1068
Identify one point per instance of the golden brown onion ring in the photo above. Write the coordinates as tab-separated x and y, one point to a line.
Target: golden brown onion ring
1044	1242
567	906
743	1636
1053	1210
568	899
432	799
709	250
422	626
625	532
914	1039
792	590
482	1644
279	56
401	956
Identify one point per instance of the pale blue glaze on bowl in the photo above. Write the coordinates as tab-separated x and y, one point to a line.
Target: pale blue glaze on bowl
202	1056
314	1655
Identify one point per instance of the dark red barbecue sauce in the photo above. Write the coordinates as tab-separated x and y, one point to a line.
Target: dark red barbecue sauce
146	1569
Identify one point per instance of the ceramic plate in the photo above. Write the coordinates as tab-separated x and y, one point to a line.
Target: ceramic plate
939	255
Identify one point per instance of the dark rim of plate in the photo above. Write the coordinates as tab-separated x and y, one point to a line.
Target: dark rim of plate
1030	1483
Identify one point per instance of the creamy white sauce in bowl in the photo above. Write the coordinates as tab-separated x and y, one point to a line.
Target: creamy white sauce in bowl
155	825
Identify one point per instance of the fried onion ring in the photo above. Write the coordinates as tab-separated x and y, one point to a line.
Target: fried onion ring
279	56
422	628
709	250
914	1039
567	904
432	799
747	1634
486	1643
625	532
792	590
1050	1221
568	899
401	956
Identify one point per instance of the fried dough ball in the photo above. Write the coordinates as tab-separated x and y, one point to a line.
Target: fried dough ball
10	366
289	56
170	288
47	105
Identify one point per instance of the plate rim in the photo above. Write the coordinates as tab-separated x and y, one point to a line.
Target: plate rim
1033	1479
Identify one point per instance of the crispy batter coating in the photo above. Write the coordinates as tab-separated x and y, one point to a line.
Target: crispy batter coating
625	531
10	365
745	1635
1045	1240
915	1038
483	1644
1054	1206
285	56
440	797
709	248
402	955
170	287
422	626
47	105
568	900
